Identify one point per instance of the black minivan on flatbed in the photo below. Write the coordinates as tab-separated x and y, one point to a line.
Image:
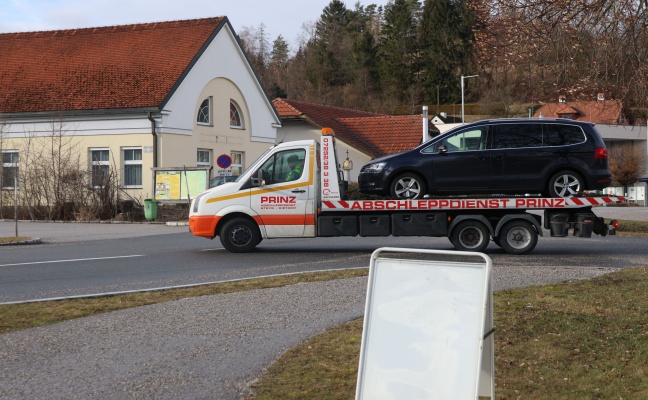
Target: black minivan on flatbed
550	157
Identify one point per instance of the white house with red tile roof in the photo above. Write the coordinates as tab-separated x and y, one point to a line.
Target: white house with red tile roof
134	97
361	135
599	111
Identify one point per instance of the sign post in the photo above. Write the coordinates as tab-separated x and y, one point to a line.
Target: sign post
428	327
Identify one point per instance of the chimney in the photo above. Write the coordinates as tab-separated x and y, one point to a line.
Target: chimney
562	99
600	97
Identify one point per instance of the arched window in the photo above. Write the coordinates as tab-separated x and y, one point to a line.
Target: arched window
235	116
204	112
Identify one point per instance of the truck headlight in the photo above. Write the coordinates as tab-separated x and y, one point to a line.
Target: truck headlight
374	168
196	202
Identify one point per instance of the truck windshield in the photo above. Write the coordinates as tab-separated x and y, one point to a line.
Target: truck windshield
253	166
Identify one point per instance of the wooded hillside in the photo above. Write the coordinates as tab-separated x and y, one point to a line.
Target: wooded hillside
410	53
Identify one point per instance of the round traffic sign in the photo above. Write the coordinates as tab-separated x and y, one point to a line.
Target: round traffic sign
224	161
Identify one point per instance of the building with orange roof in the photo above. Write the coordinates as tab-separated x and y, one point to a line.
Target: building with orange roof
135	97
599	111
361	136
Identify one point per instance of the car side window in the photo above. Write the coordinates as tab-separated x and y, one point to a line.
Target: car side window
466	140
511	136
563	135
284	166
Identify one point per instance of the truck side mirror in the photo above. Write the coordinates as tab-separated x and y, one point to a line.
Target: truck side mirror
258	179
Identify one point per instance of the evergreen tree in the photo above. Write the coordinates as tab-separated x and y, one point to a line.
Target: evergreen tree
278	68
279	55
447	45
398	48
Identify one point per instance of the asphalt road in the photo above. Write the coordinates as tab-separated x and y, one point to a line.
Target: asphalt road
82	259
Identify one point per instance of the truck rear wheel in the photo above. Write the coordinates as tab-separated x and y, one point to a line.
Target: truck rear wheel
518	237
470	235
240	235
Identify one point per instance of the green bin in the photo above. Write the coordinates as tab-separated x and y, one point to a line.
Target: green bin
150	209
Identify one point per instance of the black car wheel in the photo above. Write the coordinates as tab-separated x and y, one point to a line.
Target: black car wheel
240	235
565	184
407	186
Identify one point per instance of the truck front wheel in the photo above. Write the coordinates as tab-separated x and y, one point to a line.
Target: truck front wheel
240	235
518	237
470	236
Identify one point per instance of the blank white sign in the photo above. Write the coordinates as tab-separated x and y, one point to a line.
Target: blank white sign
423	329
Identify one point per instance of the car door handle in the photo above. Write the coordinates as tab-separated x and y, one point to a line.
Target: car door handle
298	191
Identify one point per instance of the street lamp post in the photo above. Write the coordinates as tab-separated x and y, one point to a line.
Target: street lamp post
462	95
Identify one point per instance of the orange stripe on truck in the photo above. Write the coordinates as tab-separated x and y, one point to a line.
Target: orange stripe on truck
204	226
285	219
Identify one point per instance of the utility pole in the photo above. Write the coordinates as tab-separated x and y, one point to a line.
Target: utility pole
462	95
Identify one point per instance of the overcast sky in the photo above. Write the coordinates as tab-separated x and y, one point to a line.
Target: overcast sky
285	17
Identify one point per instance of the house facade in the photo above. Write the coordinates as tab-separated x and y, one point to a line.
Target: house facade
128	100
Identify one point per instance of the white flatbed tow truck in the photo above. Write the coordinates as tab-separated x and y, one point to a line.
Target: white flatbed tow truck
273	199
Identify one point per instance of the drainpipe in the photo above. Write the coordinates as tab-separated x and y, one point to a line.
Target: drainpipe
155	158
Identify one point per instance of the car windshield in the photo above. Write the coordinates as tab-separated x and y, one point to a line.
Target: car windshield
467	139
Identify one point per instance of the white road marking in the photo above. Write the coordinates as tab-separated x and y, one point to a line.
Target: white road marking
72	260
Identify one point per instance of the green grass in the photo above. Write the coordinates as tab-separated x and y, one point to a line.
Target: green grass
576	340
633	228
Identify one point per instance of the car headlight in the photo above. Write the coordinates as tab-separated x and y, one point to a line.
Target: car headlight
374	168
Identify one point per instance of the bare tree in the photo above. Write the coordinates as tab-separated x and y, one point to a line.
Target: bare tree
627	163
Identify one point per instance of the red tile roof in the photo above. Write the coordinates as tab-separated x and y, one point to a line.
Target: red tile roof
128	66
599	112
373	134
389	134
327	117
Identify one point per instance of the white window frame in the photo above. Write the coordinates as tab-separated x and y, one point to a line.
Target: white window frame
207	114
209	158
95	163
238	113
10	165
240	157
126	162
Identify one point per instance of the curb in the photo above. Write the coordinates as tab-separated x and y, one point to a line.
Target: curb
178	223
32	241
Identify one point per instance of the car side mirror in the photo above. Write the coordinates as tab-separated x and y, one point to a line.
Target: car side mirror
258	179
442	149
